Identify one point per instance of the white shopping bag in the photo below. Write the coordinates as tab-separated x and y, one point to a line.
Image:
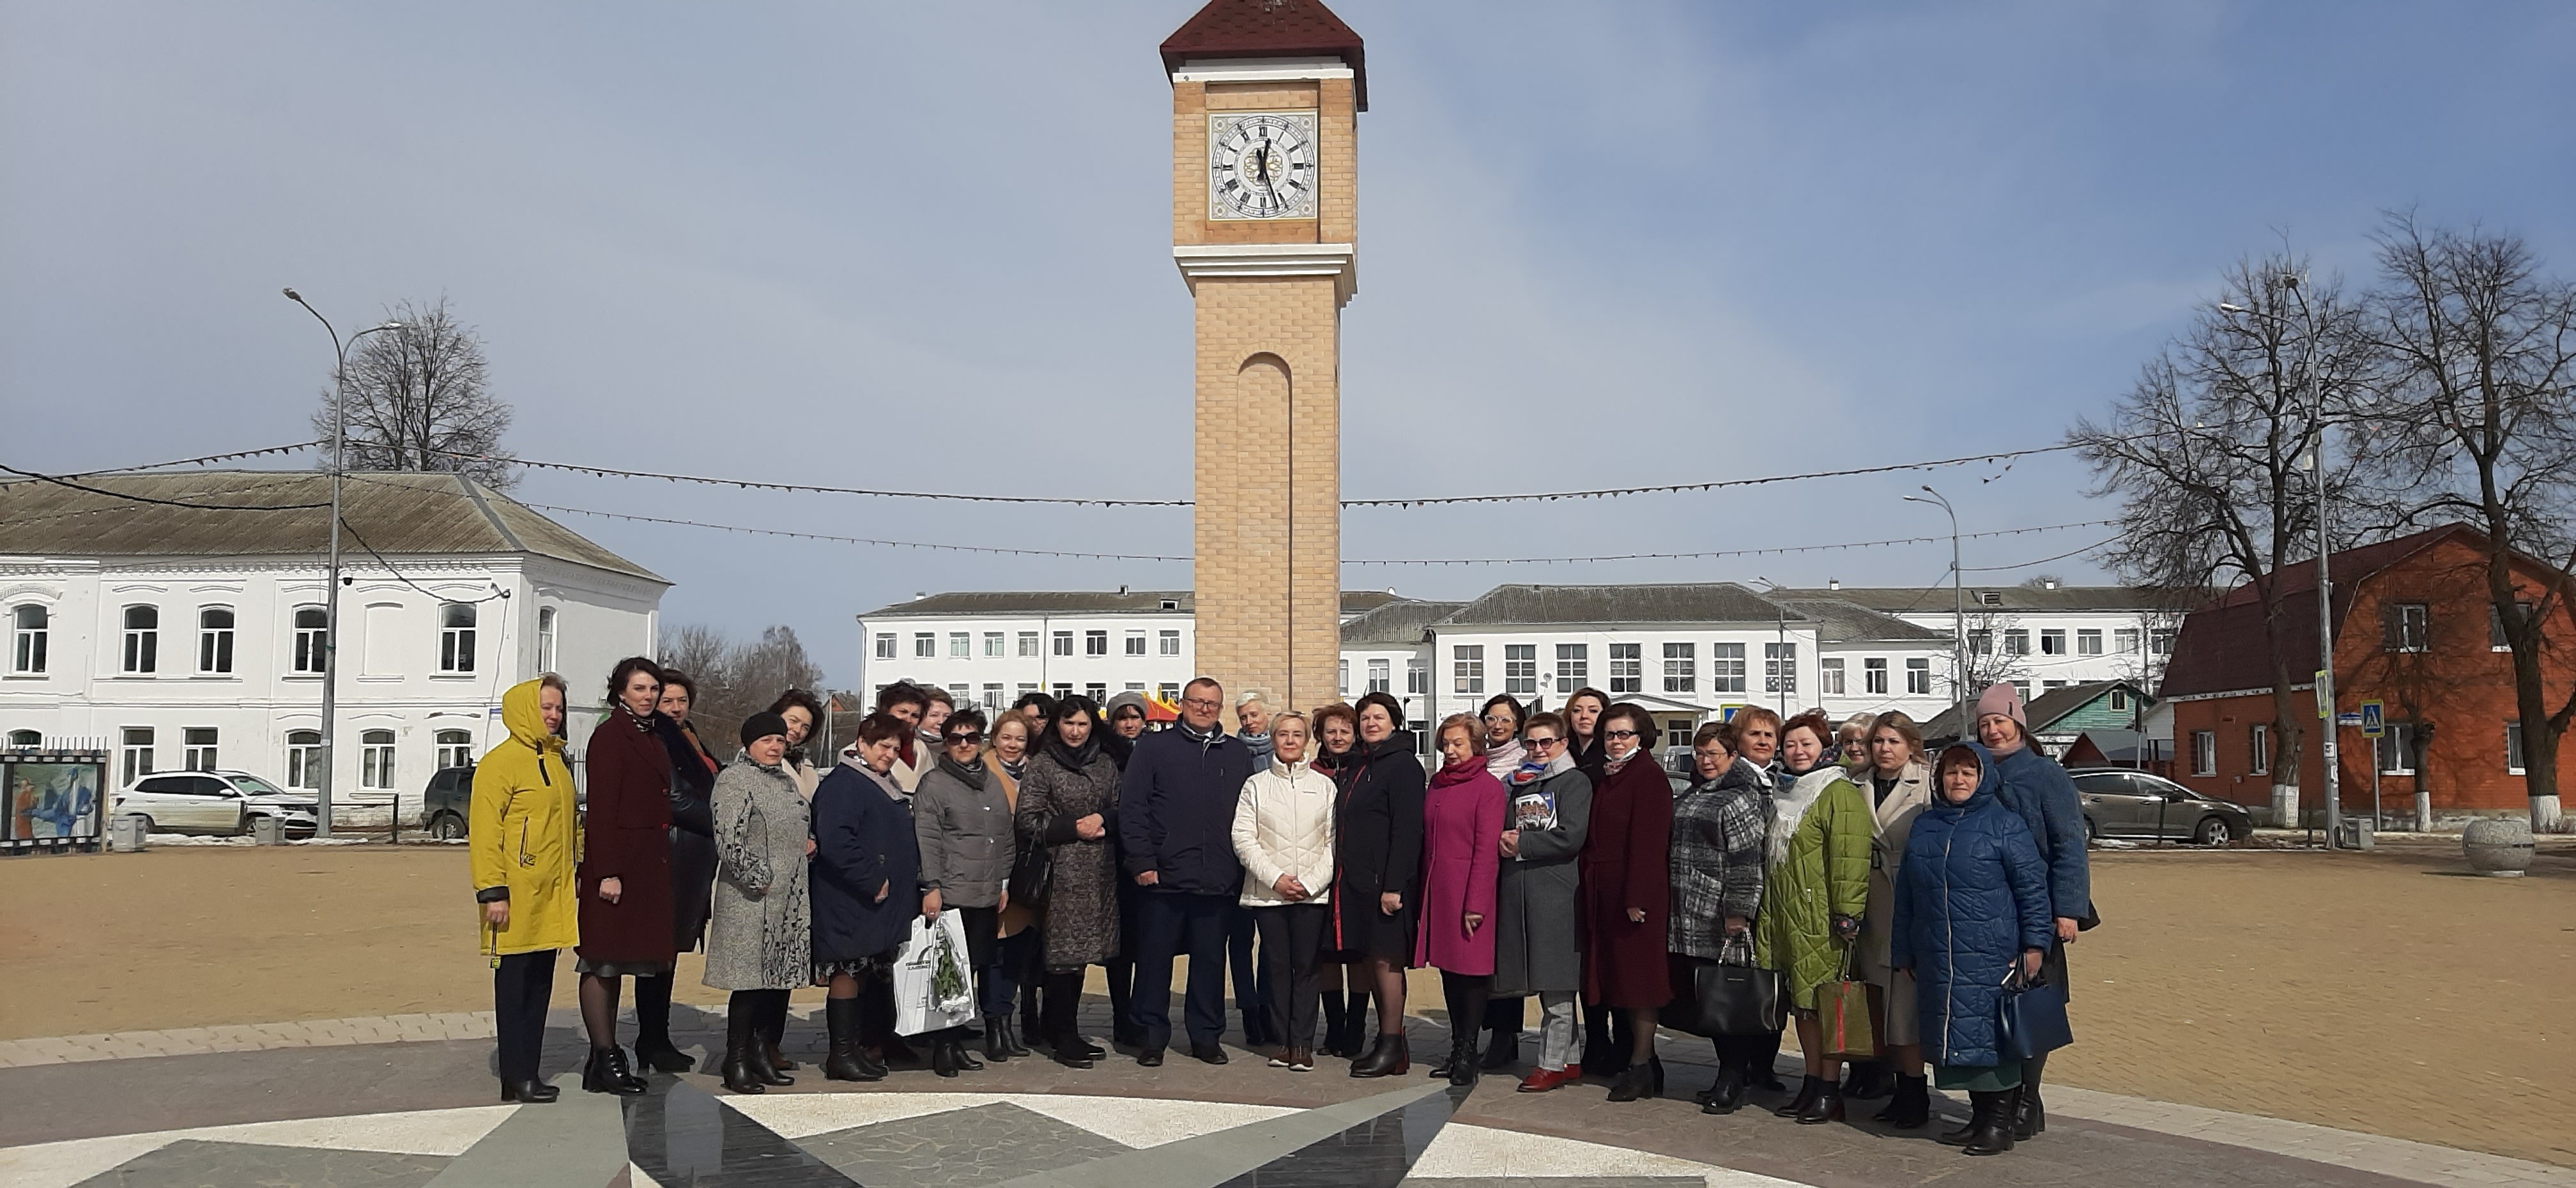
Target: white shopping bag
934	983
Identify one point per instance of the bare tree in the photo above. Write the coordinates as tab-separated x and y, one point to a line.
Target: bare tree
420	394
737	680
1991	659
2485	387
2214	454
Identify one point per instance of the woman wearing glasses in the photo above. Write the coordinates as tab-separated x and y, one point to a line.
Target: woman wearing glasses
1815	889
962	824
1501	720
1538	913
1627	893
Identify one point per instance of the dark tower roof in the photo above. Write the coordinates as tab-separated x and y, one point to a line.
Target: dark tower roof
1267	29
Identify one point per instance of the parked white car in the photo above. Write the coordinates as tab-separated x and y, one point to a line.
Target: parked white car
214	802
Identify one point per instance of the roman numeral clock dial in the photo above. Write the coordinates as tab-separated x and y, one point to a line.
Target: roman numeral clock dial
1261	165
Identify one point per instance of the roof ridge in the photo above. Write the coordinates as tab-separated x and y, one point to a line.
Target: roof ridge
516	545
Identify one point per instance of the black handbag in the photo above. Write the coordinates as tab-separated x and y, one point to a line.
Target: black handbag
1728	996
1032	873
2031	1018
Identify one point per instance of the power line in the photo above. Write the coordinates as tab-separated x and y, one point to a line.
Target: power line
2108	540
857	540
497	592
809	488
234	456
61	481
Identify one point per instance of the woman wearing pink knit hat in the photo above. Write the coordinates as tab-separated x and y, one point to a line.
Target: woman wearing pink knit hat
2035	787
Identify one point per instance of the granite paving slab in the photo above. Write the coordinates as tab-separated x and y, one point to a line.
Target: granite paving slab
193	1163
978	1145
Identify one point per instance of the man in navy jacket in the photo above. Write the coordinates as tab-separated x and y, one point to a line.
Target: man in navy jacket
1176	841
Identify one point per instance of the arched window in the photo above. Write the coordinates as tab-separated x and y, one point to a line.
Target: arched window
456	638
142	639
303	758
215	639
546	639
376	760
27	631
312	639
455	748
26	740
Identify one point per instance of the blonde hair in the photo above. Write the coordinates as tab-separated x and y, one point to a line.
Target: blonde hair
1855	726
1468	722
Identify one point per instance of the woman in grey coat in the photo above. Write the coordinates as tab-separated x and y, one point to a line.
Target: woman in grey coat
760	935
1538	910
1069	806
1720	826
961	821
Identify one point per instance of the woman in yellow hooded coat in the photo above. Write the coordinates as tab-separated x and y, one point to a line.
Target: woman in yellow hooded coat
522	834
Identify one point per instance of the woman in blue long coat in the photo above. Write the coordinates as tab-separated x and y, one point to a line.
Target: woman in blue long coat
1971	903
864	883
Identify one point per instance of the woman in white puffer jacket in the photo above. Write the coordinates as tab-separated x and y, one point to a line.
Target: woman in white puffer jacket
1283	832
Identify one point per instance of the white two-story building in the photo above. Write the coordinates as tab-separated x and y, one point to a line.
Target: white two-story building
188	633
2040	636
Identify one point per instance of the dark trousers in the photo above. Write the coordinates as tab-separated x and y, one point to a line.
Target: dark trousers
1292	941
1176	924
521	984
1252	977
1002	978
1504	1017
1120	970
1606	1039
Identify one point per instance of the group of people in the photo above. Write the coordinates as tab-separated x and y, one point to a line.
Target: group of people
1543	855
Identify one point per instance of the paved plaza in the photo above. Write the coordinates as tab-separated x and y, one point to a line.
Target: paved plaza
409	1101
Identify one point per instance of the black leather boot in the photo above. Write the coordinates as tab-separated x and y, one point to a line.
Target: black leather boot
1727	1095
1910	1105
755	1057
959	1052
1809	1089
997	1043
1465	1062
1958	1136
847	1061
1503	1051
740	1043
943	1056
2029	1117
1826	1107
1639	1081
1867	1080
530	1092
608	1072
1989	1123
1390	1057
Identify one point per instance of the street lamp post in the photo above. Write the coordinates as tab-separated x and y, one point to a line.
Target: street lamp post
331	588
1958	614
2327	752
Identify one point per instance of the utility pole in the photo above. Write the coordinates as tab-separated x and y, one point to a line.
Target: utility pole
331	590
1958	615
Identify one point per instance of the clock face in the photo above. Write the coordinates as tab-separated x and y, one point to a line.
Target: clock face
1261	165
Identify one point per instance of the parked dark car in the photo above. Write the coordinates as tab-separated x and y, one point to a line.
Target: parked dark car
2123	803
444	803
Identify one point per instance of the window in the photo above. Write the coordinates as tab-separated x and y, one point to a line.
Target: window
456	638
455	749
993	696
924	645
2513	748
1829	674
2258	749
1061	690
304	759
885	645
1095	643
1380	676
2396	746
2052	685
1520	669
1417	677
2496	640
1573	667
215	640
1167	643
200	753
22	740
961	695
2407	628
376	760
993	644
2088	642
2204	752
1779	668
1981	643
961	646
2119	699
1167	692
2052	641
1467	664
1060	643
1918	676
142	639
1096	691
1628	668
1025	688
2016	642
2021	689
27	632
1726	668
1135	643
134	758
2160	641
1873	675
2125	640
1678	731
1345	685
1028	643
1681	667
1135	686
546	640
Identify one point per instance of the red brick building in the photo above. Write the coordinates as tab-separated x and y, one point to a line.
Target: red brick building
2413	629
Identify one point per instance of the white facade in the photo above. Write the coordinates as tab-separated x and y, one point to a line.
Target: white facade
992	658
193	663
2040	637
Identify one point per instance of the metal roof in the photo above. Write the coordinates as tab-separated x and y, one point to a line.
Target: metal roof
953	603
1522	604
393	513
1401	623
1268	29
1838	621
1917	600
2043	711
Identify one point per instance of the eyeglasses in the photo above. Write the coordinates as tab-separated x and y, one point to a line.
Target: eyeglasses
974	737
1202	703
1542	742
1618	734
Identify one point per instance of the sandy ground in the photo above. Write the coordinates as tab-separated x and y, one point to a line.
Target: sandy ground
2387	992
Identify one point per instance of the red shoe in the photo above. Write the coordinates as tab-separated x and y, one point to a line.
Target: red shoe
1542	1080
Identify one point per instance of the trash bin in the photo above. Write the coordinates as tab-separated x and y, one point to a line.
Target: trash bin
267	831
125	834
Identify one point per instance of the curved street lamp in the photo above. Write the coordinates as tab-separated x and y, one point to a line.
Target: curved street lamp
1958	614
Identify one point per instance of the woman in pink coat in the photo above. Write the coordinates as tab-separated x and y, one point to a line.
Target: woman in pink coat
1462	829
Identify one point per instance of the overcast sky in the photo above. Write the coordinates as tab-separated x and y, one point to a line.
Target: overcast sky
925	246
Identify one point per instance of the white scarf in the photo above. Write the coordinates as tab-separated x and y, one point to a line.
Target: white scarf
1789	809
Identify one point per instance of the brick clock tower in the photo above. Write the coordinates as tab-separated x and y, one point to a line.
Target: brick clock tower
1265	102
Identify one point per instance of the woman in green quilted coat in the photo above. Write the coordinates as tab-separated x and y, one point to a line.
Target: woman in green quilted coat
1815	889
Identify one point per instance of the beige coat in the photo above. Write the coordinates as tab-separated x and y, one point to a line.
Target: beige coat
1895	816
1283	825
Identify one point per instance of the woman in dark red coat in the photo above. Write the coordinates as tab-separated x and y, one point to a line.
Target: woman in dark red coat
1626	891
625	877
